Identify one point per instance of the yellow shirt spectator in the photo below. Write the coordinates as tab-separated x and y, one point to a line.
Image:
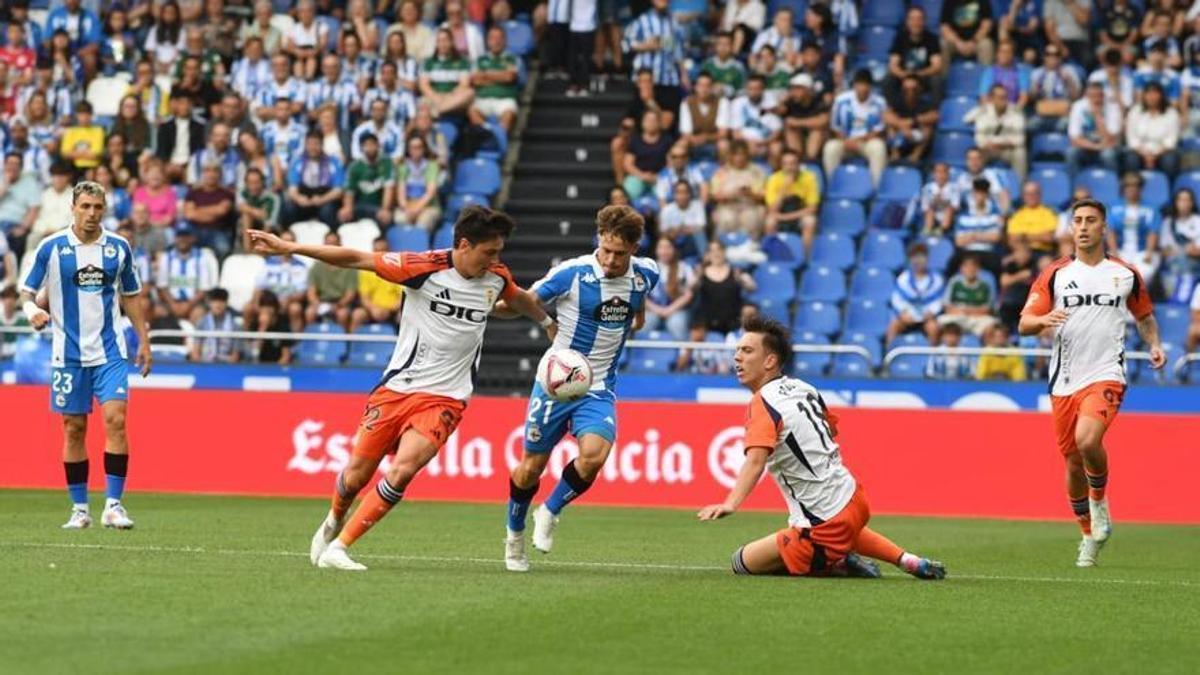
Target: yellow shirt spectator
1035	223
1000	367
83	145
804	187
379	292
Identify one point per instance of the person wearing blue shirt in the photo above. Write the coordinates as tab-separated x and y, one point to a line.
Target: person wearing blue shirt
857	125
314	185
1156	70
1134	227
656	42
979	228
82	25
1008	73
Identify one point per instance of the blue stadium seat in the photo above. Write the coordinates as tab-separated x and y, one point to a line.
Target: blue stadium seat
1156	193
872	343
952	111
449	130
851	181
1051	145
443	238
774	281
941	250
821	283
1173	321
778	309
477	177
844	216
648	360
458	202
899	183
911	340
792	252
321	352
807	364
850	366
1190	180
908	366
883	14
822	318
500	136
797	6
1101	183
519	37
1052	166
371	354
832	249
883	249
1056	186
731	239
933	13
1009	181
963	79
707	168
875	41
951	148
818	172
872	283
867	316
891	214
407	238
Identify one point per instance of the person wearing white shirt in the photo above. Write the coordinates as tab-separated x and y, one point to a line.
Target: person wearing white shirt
1152	134
1094	129
940	199
704	119
752	119
1000	131
743	19
468	39
857	126
682	219
1115	78
54	211
782	37
1193	338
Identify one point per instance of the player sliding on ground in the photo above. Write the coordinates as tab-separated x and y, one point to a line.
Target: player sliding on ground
791	433
600	299
1083	299
89	275
421	398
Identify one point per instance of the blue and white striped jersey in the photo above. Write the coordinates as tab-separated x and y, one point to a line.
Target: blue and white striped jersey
666	60
292	89
343	94
596	313
284	142
83	281
854	118
390	137
185	275
248	77
229	161
402	105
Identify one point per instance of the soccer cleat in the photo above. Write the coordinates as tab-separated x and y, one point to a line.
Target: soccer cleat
1101	522
80	520
335	558
930	570
114	517
515	557
327	531
856	566
544	523
1089	551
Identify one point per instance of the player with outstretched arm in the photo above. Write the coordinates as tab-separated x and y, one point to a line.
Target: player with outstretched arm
89	276
790	433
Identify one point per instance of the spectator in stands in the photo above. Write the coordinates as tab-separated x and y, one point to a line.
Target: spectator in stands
677	170
656	42
123	163
1134	227
1160	36
1181	244
994	366
179	137
910	118
495	82
917	299
257	207
8	264
251	71
752	120
314	185
269	318
397	71
1189	99
704	120
380	299
726	72
966	29
436	144
389	137
742	20
792	199
1052	88
646	156
82	26
781	37
857	126
420	38
1017	272
805	119
286	278
116	199
417	180
220	153
446	78
945	365
36	159
979	228
1022	25
132	125
668	302
820	72
1114	77
332	291
466	36
82	143
199	89
1008	74
976	169
1118	28
1193	336
333	91
54	209
10	317
305	40
185	273
1067	28
18	53
1156	71
231	112
1034	223
370	185
254	156
357	67
260	28
20	199
940	200
719	289
1094	129
219	317
1152	134
776	74
1000	132
283	137
737	191
682	219
970	298
208	206
161	203
915	51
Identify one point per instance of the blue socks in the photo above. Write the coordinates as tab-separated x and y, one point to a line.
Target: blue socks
519	499
115	469
77	478
568	489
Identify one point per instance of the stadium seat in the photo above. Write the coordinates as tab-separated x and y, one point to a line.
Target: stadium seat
520	38
963	79
496	153
883	249
1190	180
649	359
776	309
818	172
1156	193
449	130
875	41
1173	321
832	249
169	353
443	238
360	235
822	318
774	281
372	354
933	12
908	366
321	352
732	239
810	364
872	283
892	214
310	232
1056	186
882	14
867	316
843	216
333	31
238	274
1101	183
941	250
1009	181
872	343
951	148
458	202
1050	145
952	112
407	238
899	183
706	167
477	177
850	366
821	283
850	181
789	250
104	93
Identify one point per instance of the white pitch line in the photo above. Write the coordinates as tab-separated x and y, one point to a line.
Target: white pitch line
560	563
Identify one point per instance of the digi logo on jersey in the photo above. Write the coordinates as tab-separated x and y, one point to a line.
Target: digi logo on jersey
465	313
1093	300
613	311
90	279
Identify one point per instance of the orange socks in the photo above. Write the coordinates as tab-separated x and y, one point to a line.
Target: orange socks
341	499
373	508
874	545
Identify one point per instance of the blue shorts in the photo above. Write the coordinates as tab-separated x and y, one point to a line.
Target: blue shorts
73	387
548	420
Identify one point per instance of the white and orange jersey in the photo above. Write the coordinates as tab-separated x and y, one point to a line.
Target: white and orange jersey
789	418
441	323
1090	346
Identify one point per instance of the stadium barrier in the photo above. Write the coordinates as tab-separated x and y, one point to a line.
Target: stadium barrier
920	462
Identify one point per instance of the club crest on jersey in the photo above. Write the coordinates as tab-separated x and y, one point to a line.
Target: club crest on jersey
90	279
110	251
534	434
613	311
639	283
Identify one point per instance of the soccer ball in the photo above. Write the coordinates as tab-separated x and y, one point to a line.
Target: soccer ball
565	375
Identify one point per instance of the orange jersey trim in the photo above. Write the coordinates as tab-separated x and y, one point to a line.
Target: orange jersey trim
762	425
407	268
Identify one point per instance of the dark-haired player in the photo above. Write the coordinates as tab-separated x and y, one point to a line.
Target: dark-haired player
421	398
791	433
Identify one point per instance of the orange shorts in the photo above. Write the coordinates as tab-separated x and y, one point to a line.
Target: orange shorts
812	551
389	414
1100	400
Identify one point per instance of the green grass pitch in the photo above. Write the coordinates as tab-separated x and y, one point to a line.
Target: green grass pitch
223	585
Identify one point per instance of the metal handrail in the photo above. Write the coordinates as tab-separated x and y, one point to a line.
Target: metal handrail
1182	362
856	350
914	350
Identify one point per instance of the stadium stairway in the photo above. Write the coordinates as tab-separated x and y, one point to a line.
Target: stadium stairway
561	177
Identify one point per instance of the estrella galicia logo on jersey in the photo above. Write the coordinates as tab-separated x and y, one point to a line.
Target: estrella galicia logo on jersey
1093	300
465	313
613	311
90	279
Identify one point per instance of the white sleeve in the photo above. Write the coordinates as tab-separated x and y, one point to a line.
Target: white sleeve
1075	122
1196	299
208	270
685	119
723	113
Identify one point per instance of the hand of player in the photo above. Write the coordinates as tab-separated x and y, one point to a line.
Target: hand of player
39	320
265	243
714	512
1158	358
552	331
1054	319
144	359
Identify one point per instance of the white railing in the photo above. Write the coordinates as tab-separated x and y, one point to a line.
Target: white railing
1182	364
915	350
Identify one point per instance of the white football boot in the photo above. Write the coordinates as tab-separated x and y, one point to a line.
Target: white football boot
1101	521
326	532
335	558
544	523
1089	551
515	557
115	517
80	520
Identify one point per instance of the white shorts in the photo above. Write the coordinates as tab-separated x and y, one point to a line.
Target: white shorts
495	107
